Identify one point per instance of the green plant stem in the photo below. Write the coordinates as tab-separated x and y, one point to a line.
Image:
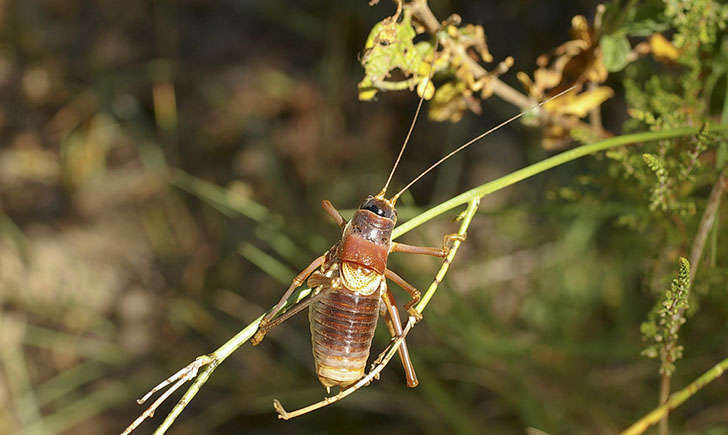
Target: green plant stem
467	217
217	357
536	168
676	399
706	222
472	197
664	395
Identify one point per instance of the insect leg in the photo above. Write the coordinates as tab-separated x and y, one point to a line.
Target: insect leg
333	212
395	329
409	288
297	281
292	312
423	250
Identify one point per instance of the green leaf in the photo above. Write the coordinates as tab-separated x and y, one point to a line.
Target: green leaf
615	49
389	46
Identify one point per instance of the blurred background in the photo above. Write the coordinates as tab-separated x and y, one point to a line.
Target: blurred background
161	169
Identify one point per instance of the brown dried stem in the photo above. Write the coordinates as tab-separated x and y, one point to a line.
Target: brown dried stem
696	252
422	12
706	222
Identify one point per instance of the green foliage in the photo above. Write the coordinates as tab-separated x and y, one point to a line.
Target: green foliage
616	49
638	18
661	192
453	52
390	47
697	23
675	97
665	319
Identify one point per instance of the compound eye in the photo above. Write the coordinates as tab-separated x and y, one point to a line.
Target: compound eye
373	208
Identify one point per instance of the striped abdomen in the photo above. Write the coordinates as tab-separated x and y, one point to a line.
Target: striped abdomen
342	327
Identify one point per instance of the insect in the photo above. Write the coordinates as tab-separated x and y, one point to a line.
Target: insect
349	283
350	290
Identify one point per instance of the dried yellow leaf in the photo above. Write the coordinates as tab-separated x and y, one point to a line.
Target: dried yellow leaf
662	49
580	29
546	78
525	80
449	103
579	105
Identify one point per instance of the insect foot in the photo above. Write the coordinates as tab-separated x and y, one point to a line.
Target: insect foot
414	313
449	240
258	337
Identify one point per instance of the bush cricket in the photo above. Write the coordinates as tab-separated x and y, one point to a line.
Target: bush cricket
349	291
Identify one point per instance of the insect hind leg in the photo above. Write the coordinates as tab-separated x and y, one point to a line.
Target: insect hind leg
394	324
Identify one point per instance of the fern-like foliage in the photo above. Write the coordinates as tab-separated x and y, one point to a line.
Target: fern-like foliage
665	319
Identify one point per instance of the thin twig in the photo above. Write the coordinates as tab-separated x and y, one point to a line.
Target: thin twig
149	413
664	395
210	362
595	114
706	222
179	378
676	399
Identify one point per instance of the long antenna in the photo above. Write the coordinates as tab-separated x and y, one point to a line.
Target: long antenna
477	138
412	125
404	145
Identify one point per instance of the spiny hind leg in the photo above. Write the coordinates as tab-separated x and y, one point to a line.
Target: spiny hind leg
394	324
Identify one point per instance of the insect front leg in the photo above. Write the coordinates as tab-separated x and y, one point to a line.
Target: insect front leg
297	281
333	212
447	243
394	324
409	288
295	310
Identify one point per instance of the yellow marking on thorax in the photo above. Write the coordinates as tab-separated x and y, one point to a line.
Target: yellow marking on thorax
360	279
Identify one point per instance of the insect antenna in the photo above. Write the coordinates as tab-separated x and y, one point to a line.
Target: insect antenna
475	139
412	125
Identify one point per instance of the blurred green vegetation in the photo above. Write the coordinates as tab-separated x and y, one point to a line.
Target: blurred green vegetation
161	169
